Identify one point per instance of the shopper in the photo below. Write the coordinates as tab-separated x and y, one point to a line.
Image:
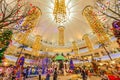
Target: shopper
84	74
18	75
48	76
27	72
55	74
40	72
24	73
104	76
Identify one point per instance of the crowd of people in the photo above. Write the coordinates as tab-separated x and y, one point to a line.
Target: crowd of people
105	72
12	73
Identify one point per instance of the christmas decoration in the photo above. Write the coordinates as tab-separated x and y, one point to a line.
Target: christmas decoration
5	39
108	8
107	11
11	14
14	13
116	30
71	65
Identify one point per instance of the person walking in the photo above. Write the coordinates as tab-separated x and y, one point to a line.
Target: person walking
39	73
104	77
27	70
84	74
13	75
55	74
48	76
24	73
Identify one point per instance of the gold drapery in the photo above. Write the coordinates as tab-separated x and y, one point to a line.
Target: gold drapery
95	24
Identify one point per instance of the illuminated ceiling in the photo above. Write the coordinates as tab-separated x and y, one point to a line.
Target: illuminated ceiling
75	27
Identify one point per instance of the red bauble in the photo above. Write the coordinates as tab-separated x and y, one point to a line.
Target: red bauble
30	4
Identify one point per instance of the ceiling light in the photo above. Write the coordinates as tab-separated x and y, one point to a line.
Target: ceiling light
59	11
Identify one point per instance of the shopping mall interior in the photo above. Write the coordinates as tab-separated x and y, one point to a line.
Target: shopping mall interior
59	39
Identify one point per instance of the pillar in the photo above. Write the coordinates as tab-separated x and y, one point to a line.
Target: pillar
61	35
95	24
88	42
29	23
32	18
100	54
36	45
75	48
24	37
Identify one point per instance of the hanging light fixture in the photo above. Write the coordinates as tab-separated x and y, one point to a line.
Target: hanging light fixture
59	11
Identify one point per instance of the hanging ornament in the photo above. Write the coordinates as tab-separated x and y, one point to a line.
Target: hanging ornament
1	14
31	5
19	5
116	28
116	24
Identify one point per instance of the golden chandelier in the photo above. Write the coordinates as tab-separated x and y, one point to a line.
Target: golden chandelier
59	11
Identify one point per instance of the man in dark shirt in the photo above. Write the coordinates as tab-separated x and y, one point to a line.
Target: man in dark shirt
55	74
84	74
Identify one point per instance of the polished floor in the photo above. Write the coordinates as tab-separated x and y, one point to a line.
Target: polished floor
67	78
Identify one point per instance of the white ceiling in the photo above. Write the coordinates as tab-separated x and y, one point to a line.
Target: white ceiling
75	27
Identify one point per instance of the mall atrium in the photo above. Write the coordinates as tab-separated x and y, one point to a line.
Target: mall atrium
59	39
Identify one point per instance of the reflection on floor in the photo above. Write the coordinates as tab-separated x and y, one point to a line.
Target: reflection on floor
67	78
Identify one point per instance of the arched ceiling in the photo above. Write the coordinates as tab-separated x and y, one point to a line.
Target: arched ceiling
75	27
